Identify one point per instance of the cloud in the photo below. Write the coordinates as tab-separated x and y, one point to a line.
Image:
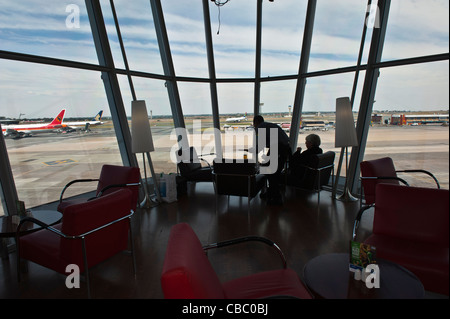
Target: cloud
416	27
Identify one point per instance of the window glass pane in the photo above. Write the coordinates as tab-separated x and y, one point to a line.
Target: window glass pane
337	34
138	34
282	36
235	98
234	45
278	98
52	28
44	162
417	28
156	99
186	33
319	109
3	205
236	109
195	99
408	91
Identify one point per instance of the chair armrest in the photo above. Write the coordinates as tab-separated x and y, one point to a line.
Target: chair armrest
247	239
358	219
233	174
104	189
207	163
35	221
200	157
318	168
58	232
421	171
73	182
386	177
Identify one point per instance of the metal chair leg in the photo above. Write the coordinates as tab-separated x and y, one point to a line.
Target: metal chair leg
86	268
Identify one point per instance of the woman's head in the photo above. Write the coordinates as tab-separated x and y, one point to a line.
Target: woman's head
312	140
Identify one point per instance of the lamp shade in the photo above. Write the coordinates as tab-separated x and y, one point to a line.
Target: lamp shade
345	133
141	135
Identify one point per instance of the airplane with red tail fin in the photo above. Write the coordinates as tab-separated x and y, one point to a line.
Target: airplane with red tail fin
24	130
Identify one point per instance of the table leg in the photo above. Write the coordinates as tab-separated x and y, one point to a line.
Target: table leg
4	248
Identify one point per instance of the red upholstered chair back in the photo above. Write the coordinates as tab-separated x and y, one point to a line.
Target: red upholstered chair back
187	272
413	213
81	218
114	174
376	168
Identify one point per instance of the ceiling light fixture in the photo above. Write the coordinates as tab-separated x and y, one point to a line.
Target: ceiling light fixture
219	3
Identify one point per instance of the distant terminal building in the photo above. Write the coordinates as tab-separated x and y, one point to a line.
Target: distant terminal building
406	119
380	119
313	125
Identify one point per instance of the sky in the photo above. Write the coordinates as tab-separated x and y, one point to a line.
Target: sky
416	28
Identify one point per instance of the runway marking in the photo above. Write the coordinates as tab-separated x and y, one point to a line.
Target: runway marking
57	162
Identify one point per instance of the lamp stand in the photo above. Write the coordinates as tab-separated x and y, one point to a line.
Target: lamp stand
346	196
148	202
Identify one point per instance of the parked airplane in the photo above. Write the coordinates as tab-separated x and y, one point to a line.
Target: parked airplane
24	130
85	124
236	119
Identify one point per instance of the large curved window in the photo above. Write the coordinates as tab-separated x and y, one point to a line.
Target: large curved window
53	30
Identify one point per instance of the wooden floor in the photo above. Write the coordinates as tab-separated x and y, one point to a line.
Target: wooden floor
302	228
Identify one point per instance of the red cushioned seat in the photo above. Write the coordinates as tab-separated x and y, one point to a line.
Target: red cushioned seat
188	274
430	263
281	282
103	224
411	228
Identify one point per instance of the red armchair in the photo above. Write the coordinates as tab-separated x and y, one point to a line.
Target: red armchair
411	228
89	233
382	170
188	274
111	178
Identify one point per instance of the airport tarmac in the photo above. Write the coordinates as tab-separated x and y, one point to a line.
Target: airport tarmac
43	164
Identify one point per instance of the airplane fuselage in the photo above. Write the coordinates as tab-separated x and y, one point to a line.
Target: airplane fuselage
29	129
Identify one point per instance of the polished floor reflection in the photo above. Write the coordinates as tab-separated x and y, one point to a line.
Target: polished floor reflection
302	228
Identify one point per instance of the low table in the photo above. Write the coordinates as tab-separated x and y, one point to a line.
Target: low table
328	276
8	227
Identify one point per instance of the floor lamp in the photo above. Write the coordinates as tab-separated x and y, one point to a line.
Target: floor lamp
345	136
142	142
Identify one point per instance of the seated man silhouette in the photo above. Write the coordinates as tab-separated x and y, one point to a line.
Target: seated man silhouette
301	159
273	193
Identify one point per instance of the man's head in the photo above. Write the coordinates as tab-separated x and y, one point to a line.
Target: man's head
257	120
312	140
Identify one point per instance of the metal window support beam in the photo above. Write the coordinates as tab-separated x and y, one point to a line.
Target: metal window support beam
257	93
7	186
168	67
212	78
111	82
303	69
368	94
347	196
